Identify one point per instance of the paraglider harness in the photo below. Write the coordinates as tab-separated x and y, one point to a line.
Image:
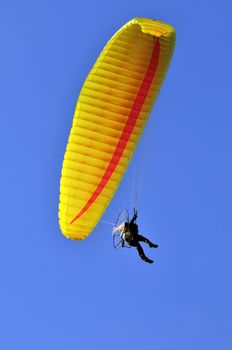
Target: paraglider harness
122	237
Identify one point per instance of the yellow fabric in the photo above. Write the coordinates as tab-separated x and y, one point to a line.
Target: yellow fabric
103	106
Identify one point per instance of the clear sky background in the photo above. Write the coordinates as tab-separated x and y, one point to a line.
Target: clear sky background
59	294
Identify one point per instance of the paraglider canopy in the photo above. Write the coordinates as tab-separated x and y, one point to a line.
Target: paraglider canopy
110	116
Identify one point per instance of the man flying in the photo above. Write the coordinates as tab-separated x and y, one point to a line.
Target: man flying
130	234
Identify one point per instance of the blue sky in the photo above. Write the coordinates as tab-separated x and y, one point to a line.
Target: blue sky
59	294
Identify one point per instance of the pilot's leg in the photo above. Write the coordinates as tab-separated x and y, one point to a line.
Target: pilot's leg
141	254
140	238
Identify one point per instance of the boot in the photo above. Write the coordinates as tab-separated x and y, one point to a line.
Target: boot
149	261
152	245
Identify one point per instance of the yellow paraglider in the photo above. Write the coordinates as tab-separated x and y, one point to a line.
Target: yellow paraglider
111	113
